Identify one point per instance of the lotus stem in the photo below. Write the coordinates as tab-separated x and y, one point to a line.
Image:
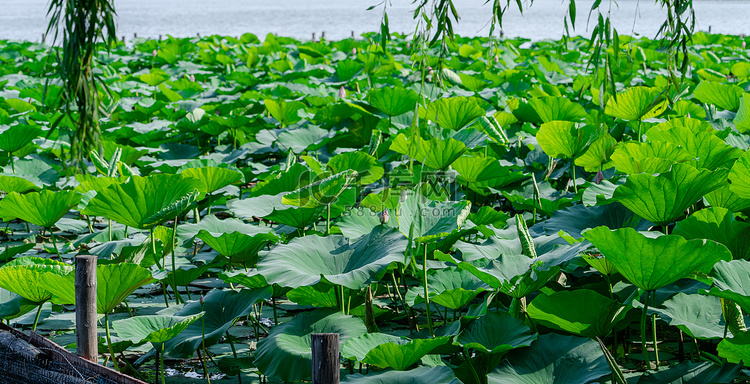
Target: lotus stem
12	163
36	318
161	360
426	292
328	220
573	168
209	203
473	370
177	297
54	242
234	353
643	331
653	333
275	317
109	342
109	229
203	343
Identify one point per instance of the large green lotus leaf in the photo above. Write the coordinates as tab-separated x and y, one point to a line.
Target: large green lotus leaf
286	112
724	197
434	153
154	77
664	198
393	101
582	312
553	359
420	375
431	219
574	220
637	103
450	287
688	372
11	252
320	295
320	193
144	202
403	354
739	176
598	155
43	208
708	150
564	139
152	328
478	172
114	283
699	316
717	224
694	125
13	305
294	177
18	136
26	276
286	353
214	178
731	281
513	274
309	137
305	260
357	347
495	333
232	237
452	113
16	184
726	96
651	157
271	208
552	108
369	169
742	119
736	349
221	309
651	263
89	182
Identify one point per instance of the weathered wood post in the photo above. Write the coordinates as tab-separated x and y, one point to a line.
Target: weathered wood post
353	37
323	35
313	37
325	358
85	286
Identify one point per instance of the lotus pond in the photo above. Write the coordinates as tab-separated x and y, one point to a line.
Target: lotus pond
500	215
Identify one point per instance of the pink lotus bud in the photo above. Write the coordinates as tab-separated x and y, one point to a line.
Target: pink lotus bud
354	51
191	77
431	72
744	44
429	68
384	216
154	53
688	115
342	92
321	68
599	177
497	59
202	300
408	46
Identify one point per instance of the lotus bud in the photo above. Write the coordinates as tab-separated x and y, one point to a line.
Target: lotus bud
744	44
202	300
408	46
599	177
354	51
497	59
342	92
191	77
154	53
384	216
688	115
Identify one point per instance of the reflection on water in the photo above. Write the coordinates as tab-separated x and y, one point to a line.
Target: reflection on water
300	18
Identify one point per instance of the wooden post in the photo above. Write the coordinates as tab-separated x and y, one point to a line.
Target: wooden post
323	35
159	37
123	39
85	286
313	37
44	38
353	35
325	358
135	35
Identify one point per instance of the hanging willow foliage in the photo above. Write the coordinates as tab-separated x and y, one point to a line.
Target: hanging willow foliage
81	23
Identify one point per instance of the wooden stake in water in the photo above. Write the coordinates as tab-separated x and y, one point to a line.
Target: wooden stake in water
325	358
85	287
313	37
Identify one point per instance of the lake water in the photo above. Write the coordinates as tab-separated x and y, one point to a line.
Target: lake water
26	20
